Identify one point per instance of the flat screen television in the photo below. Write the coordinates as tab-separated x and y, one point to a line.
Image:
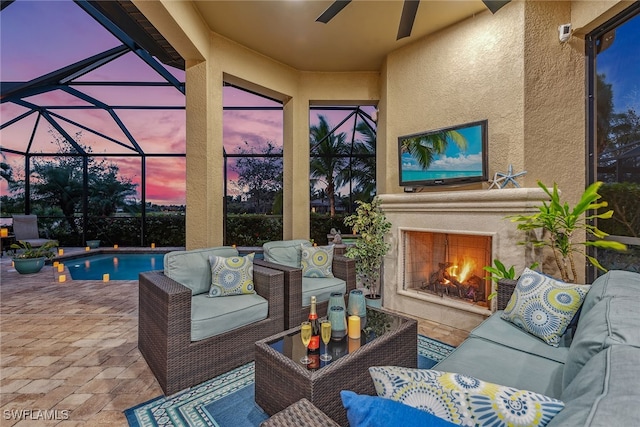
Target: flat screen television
452	155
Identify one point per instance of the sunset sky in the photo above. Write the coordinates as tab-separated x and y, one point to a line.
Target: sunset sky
38	37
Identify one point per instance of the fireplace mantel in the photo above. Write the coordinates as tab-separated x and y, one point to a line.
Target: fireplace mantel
479	212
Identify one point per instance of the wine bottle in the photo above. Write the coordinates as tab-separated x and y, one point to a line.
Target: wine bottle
314	345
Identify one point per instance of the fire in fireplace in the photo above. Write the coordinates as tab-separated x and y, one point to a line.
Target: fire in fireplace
447	264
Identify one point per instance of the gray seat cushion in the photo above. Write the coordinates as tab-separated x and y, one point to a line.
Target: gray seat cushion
321	288
503	332
213	316
192	268
488	361
605	392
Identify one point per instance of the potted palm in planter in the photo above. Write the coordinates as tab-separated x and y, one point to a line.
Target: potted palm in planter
560	223
371	224
31	260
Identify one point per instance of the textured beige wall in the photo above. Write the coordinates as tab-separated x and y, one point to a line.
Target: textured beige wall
468	72
509	68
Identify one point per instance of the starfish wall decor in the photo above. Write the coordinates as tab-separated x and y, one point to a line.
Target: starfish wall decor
502	179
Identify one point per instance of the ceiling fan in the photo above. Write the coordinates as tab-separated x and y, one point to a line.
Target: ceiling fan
409	10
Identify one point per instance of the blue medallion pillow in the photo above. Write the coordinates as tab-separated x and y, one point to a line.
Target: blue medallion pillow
231	275
317	261
374	411
544	306
464	400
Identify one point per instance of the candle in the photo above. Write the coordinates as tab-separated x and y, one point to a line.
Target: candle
87	248
55	264
105	277
60	268
60	251
354	327
153	246
4	232
62	278
115	246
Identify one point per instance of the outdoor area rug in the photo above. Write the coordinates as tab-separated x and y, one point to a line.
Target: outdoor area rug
227	400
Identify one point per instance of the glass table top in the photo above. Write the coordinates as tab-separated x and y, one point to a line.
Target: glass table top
377	324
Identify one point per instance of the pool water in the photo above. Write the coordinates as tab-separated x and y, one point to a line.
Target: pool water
118	266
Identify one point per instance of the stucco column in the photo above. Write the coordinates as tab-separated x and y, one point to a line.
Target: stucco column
296	169
204	219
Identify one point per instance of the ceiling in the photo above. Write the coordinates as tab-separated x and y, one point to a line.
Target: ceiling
356	39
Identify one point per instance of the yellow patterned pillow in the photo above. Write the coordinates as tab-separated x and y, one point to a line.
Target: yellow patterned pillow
317	261
544	306
231	275
464	400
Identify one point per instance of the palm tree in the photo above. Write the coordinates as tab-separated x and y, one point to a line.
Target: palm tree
425	147
362	168
327	158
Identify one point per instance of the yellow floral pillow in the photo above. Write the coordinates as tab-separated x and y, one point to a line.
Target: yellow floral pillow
464	400
231	275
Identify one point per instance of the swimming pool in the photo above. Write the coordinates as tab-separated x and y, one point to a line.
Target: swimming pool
121	266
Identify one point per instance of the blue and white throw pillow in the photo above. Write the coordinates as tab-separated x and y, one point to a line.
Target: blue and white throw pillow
231	275
464	400
317	261
544	306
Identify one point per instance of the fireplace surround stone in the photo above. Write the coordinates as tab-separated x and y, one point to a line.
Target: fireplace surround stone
476	212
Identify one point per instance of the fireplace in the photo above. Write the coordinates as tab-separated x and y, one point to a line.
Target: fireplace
447	227
449	265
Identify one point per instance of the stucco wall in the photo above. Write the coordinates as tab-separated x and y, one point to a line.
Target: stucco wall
468	72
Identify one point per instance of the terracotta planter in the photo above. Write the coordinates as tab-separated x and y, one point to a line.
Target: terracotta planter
28	265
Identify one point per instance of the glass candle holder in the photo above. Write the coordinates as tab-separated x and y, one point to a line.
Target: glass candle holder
338	320
336	299
357	306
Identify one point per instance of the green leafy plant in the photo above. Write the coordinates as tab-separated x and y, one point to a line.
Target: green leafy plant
562	222
371	224
28	251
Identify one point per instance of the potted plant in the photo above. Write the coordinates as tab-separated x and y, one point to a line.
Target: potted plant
560	224
31	260
371	224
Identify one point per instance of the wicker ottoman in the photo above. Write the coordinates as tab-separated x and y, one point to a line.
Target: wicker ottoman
301	414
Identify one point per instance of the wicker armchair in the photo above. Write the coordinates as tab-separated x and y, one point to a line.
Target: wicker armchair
343	268
164	331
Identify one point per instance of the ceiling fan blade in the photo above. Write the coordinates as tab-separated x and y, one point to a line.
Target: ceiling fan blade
494	5
332	10
406	19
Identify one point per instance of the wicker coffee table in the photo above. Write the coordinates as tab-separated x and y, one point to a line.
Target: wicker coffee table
280	380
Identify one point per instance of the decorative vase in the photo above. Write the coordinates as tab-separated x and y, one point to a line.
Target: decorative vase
28	265
338	319
336	299
357	306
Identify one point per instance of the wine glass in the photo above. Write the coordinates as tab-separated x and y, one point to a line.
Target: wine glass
305	335
325	333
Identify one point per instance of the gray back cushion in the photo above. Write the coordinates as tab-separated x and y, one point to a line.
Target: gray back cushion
614	283
610	322
192	268
285	252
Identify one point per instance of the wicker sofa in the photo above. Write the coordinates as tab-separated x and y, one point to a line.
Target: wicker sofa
285	256
165	326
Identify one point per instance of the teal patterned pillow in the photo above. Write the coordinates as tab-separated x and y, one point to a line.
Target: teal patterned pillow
544	306
464	400
231	275
317	261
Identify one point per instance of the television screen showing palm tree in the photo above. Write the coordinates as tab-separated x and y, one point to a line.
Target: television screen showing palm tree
452	155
